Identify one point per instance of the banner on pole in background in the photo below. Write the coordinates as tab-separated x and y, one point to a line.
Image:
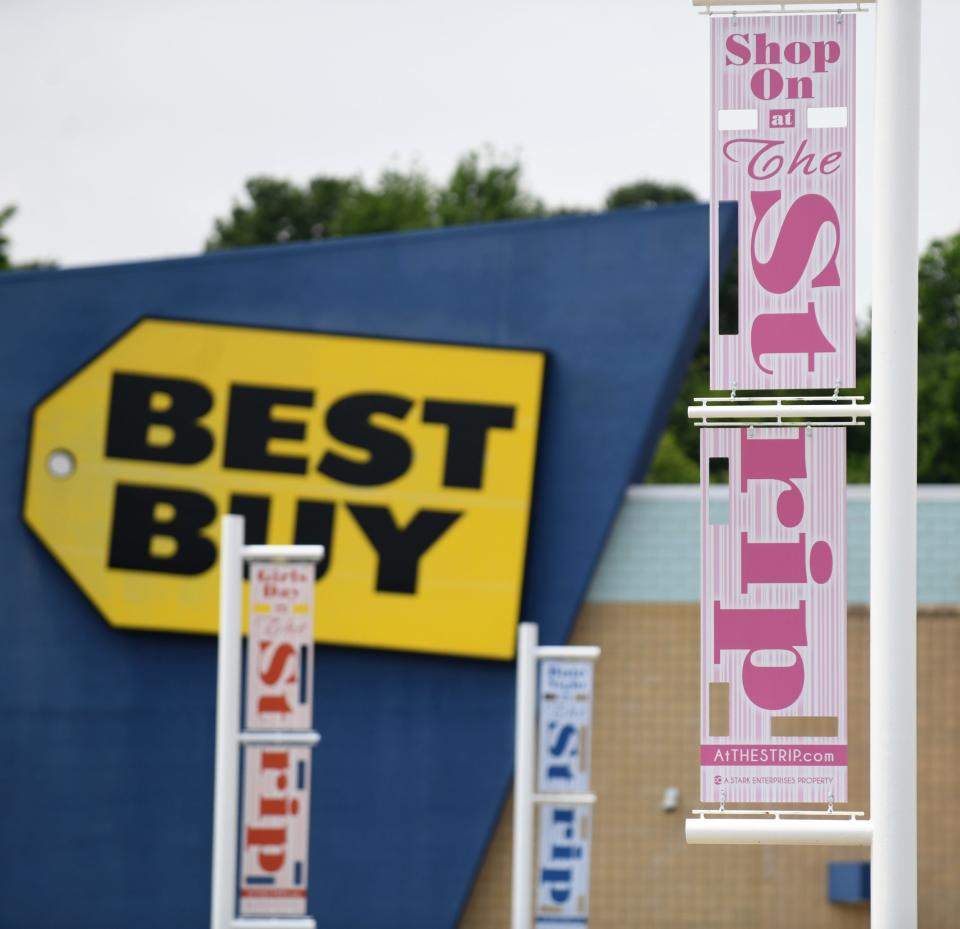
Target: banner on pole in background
276	831
563	874
783	129
773	673
280	646
276	797
566	714
563	766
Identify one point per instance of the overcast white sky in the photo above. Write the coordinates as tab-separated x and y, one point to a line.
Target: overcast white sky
130	124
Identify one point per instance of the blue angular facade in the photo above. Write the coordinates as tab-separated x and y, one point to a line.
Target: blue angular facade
107	735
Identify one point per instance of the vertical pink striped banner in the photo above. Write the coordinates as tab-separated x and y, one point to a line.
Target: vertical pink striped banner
782	131
773	726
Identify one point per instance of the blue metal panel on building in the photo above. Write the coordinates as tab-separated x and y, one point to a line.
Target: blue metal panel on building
108	735
848	881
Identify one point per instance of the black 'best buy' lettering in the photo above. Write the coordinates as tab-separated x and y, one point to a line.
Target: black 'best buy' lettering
158	419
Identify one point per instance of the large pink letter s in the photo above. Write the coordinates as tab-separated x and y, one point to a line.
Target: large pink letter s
795	242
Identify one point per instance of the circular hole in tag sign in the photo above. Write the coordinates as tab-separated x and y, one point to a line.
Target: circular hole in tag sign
61	464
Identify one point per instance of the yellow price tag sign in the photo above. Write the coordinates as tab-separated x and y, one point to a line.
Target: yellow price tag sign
412	462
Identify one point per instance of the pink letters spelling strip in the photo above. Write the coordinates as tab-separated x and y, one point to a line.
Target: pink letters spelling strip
796	191
785	485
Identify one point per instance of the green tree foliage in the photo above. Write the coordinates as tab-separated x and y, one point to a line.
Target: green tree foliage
6	214
938	427
398	202
279	211
682	436
939	288
482	188
647	194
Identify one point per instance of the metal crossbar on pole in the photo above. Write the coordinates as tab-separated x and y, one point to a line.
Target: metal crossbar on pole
283	552
771	410
274	922
584	799
845	5
793	827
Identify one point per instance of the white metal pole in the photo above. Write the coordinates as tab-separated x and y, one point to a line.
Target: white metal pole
525	741
226	788
893	464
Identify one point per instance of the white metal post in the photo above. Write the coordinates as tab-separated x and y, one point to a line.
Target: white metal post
523	776
893	464
225	796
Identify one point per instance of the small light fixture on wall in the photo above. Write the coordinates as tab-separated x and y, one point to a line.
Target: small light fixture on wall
671	800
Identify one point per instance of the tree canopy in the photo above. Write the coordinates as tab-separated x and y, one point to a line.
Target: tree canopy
482	188
6	214
6	264
647	194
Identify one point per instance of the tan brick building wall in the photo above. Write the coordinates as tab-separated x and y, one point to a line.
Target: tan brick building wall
644	875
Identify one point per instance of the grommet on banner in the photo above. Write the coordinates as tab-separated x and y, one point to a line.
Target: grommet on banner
751	430
830	803
723	801
809	429
733	391
839	17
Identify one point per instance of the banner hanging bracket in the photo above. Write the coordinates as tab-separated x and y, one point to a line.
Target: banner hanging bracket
778	827
775	412
779	7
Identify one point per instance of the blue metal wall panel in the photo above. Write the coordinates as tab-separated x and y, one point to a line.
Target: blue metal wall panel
848	882
107	735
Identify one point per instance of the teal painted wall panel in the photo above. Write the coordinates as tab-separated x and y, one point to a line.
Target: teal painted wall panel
653	552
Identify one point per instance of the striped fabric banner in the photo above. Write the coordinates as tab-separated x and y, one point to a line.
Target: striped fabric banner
773	678
563	764
275	831
782	137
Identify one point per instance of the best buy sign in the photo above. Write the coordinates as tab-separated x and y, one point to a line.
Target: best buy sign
412	462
